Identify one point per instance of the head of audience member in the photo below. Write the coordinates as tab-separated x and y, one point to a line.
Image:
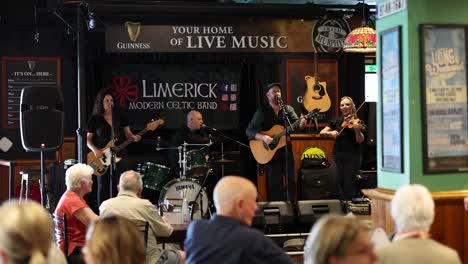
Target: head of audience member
25	233
130	181
347	106
78	178
114	239
338	239
104	102
236	197
412	209
194	120
273	91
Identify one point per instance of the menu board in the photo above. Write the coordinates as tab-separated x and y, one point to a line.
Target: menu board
20	72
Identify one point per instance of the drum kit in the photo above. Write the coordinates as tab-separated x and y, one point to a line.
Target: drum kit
195	167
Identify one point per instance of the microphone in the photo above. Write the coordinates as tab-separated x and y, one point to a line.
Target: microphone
278	97
207	127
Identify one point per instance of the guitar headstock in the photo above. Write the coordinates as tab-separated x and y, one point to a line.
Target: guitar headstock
154	124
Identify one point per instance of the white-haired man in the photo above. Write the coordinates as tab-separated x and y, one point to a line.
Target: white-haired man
412	210
78	179
129	204
227	237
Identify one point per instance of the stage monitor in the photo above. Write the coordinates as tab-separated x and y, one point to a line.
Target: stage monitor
311	210
271	213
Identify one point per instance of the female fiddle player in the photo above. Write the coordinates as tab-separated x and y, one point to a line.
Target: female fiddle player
347	130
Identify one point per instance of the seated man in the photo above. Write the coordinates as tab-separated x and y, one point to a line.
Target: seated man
129	205
227	237
412	210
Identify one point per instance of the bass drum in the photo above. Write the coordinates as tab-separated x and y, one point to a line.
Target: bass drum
176	190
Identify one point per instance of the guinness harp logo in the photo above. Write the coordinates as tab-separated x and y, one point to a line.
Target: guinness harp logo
31	65
133	29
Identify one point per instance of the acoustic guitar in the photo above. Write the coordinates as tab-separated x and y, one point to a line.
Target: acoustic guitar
316	95
102	164
263	152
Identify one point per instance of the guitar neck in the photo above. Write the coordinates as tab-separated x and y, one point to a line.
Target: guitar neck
288	129
128	141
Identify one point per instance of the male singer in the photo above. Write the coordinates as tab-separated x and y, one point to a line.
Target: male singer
276	113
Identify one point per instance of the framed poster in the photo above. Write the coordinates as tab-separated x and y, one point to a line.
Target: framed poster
19	72
391	85
311	86
445	101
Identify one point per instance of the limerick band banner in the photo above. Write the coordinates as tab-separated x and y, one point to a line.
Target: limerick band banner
170	91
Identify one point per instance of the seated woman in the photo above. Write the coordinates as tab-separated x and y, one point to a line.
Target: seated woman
79	215
114	239
26	235
339	239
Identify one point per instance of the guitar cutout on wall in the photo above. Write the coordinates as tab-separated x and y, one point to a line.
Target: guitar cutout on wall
316	95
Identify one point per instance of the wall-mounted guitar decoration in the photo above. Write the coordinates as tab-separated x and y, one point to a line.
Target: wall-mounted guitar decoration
316	95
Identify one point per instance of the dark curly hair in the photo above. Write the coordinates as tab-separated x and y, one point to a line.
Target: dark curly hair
98	108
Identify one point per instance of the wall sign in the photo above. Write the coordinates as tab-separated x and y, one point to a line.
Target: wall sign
19	72
445	98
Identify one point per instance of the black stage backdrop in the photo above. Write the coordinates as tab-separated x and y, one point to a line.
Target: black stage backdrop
170	91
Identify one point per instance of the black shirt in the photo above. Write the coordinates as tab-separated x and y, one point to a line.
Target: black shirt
345	143
102	131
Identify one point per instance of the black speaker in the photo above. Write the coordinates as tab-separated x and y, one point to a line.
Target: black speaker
41	118
310	211
273	213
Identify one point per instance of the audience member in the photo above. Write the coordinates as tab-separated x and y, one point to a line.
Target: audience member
412	210
227	236
26	235
78	179
338	239
114	240
140	211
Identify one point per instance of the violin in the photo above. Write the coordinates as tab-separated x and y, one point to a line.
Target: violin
350	120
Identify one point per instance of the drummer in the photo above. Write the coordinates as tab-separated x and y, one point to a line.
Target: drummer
192	133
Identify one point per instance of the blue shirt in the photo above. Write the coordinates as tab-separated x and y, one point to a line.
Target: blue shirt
227	240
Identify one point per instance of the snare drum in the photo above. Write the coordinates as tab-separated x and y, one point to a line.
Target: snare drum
176	190
197	163
154	175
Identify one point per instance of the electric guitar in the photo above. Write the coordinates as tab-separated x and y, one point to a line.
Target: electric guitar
316	95
102	164
263	152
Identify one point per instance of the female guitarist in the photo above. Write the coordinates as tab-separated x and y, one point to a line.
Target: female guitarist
104	118
262	127
347	130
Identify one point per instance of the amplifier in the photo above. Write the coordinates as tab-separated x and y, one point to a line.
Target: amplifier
359	206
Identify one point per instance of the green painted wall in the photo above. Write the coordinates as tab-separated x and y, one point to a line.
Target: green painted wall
417	12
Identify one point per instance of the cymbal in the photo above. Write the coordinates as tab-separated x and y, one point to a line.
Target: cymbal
221	161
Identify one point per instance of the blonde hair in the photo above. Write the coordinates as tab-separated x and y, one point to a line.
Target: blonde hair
25	232
331	236
351	100
115	239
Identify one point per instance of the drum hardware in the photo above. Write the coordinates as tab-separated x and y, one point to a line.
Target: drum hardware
193	204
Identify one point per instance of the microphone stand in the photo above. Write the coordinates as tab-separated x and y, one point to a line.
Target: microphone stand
287	124
112	152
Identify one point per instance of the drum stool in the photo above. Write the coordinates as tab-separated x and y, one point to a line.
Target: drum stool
25	182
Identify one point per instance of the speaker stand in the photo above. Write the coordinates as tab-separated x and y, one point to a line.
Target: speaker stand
45	201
